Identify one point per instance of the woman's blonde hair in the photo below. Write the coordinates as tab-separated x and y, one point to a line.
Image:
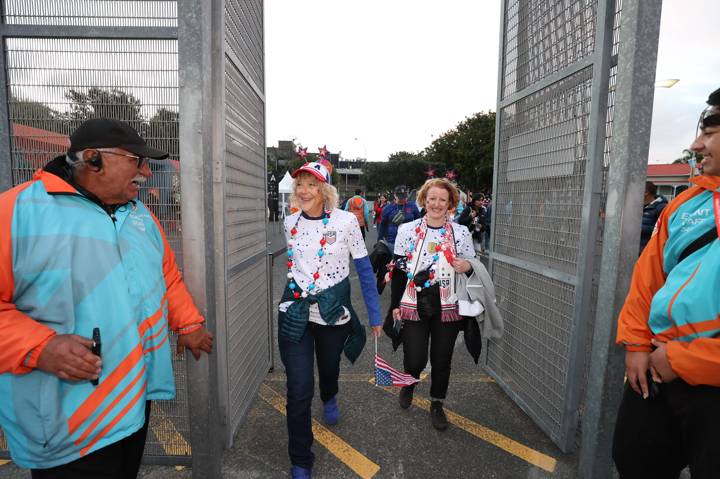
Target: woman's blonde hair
453	193
328	192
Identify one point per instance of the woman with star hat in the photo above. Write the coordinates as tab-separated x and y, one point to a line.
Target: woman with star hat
429	253
316	318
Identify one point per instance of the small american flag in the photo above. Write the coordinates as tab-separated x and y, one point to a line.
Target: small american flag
385	375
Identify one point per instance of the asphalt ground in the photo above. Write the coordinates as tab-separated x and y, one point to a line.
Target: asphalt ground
489	436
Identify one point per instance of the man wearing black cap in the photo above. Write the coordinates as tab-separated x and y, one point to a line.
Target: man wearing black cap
669	417
81	258
396	213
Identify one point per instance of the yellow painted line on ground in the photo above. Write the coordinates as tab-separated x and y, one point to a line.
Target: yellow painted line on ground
353	459
362	377
3	462
172	442
527	454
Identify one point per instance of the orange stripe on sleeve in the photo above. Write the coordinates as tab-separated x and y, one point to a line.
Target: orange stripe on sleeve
110	407
152	320
689	329
148	339
159	345
107	428
103	390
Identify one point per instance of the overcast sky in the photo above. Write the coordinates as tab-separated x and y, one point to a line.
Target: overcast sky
374	77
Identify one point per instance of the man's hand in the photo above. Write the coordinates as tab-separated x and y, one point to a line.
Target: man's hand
68	357
636	366
199	340
659	362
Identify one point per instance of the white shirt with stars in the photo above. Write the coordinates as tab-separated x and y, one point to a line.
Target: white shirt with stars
407	236
343	238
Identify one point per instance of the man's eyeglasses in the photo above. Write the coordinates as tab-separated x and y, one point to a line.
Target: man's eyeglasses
141	160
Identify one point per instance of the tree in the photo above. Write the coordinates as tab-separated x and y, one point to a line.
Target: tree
467	149
403	169
36	114
99	102
163	131
405	155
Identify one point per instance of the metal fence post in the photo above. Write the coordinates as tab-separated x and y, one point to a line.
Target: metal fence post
271	310
195	41
639	32
5	130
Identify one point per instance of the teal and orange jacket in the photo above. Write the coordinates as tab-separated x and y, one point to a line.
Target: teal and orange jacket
679	302
67	266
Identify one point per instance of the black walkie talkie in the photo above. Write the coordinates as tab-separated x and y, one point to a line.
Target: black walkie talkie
96	349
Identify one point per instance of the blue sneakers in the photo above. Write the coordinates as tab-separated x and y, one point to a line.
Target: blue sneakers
297	472
331	413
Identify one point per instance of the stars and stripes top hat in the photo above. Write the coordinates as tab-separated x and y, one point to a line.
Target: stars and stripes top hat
320	169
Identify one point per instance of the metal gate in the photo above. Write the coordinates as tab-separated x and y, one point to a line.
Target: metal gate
65	61
554	126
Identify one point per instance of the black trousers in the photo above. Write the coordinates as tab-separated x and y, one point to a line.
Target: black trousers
659	437
441	337
120	460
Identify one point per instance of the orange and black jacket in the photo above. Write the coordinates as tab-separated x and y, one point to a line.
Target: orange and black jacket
677	300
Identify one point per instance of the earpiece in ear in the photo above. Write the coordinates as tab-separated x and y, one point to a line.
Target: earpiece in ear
95	161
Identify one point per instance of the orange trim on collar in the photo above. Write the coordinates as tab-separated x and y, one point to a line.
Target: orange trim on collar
53	183
711	183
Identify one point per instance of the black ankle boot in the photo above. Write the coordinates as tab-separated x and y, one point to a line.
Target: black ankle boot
406	396
437	416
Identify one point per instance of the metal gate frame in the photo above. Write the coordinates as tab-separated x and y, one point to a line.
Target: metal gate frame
577	394
617	147
599	60
206	60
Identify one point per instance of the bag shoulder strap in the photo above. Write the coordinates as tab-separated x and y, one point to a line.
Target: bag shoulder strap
708	237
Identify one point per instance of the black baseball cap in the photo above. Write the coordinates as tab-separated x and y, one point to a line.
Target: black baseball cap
109	133
711	115
714	98
401	192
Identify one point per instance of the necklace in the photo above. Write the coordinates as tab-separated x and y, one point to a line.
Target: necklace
313	287
444	247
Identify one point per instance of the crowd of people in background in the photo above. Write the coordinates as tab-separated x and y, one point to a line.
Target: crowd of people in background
473	210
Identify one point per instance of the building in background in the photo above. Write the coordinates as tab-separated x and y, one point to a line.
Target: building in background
670	179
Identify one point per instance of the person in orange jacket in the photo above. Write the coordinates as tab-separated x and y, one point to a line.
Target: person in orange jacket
669	417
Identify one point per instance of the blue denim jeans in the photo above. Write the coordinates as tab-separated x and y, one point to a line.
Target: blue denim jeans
326	342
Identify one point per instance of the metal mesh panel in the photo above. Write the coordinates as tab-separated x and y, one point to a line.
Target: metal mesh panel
245	210
247	337
244	27
541	173
532	357
135	13
55	84
543	37
245	169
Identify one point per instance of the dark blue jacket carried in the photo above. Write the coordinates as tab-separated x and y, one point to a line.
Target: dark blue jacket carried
651	213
